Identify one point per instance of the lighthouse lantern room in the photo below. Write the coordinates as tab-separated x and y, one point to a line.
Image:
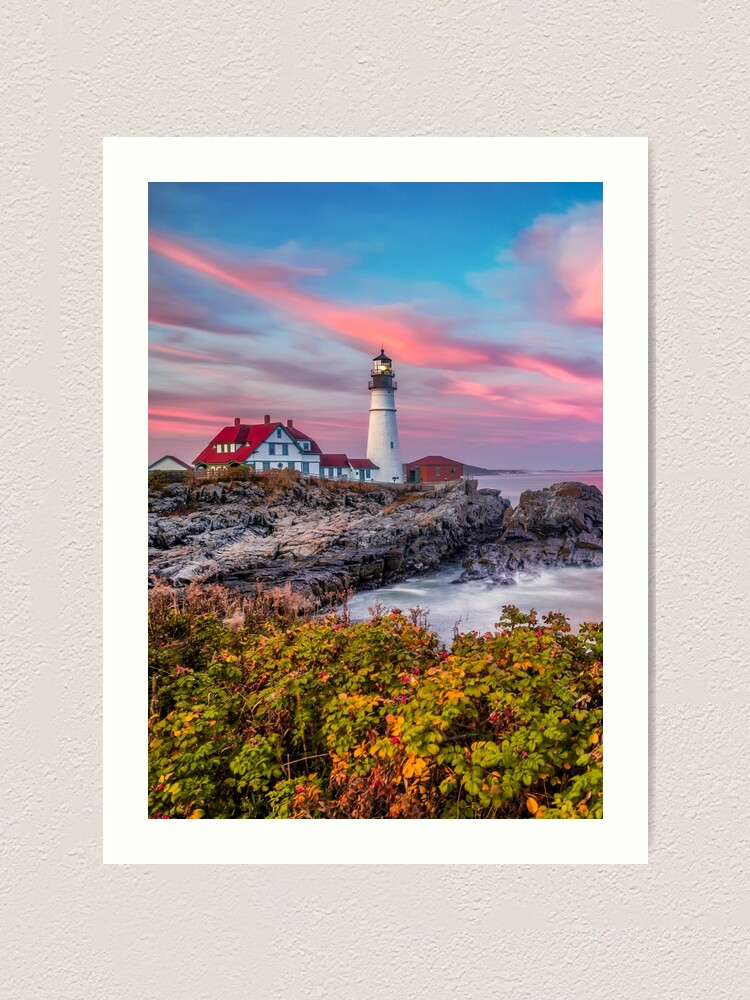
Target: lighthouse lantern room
383	447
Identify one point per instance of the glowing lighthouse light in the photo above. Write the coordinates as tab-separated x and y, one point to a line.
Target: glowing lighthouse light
383	448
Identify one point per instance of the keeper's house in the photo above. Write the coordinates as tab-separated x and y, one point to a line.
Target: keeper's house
433	469
268	446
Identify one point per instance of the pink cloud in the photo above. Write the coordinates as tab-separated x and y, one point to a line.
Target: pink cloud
179	353
526	404
555	267
412	336
568	250
166	309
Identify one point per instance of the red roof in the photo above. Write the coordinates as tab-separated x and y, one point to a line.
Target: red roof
362	463
248	437
299	436
433	460
333	461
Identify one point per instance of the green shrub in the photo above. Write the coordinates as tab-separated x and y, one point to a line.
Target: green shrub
376	719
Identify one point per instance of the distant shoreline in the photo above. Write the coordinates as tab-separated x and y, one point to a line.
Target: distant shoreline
471	471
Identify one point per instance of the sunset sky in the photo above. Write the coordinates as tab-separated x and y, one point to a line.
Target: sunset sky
274	298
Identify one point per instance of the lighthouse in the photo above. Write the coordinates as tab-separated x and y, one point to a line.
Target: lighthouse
383	448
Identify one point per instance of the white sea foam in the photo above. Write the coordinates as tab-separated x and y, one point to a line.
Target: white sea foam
476	605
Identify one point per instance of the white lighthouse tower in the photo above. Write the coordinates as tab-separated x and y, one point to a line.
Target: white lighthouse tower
383	448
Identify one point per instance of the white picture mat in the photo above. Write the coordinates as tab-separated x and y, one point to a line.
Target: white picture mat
621	836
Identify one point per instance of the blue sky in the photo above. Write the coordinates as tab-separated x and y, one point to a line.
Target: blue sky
274	298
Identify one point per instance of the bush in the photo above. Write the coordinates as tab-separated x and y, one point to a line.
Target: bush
376	719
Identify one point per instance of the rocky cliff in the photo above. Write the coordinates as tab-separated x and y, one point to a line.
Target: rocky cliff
561	525
320	538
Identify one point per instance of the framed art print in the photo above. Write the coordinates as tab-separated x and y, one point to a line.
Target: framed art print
369	407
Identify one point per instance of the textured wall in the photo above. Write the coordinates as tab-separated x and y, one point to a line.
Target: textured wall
674	71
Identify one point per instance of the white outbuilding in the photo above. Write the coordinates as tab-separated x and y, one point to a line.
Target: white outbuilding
168	463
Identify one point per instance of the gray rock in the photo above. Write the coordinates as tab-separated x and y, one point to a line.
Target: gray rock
561	525
319	540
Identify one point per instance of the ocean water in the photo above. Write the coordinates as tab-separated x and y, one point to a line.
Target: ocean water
476	605
512	484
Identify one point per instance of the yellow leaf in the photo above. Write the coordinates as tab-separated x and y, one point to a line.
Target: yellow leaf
595	737
196	814
531	804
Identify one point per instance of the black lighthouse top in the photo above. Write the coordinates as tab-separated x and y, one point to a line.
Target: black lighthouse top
381	376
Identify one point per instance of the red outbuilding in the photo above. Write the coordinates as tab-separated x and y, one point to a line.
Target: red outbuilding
433	469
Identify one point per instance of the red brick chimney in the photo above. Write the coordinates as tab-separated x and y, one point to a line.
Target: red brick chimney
267	418
236	421
290	423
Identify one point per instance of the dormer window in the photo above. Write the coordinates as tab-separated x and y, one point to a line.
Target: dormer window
305	445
